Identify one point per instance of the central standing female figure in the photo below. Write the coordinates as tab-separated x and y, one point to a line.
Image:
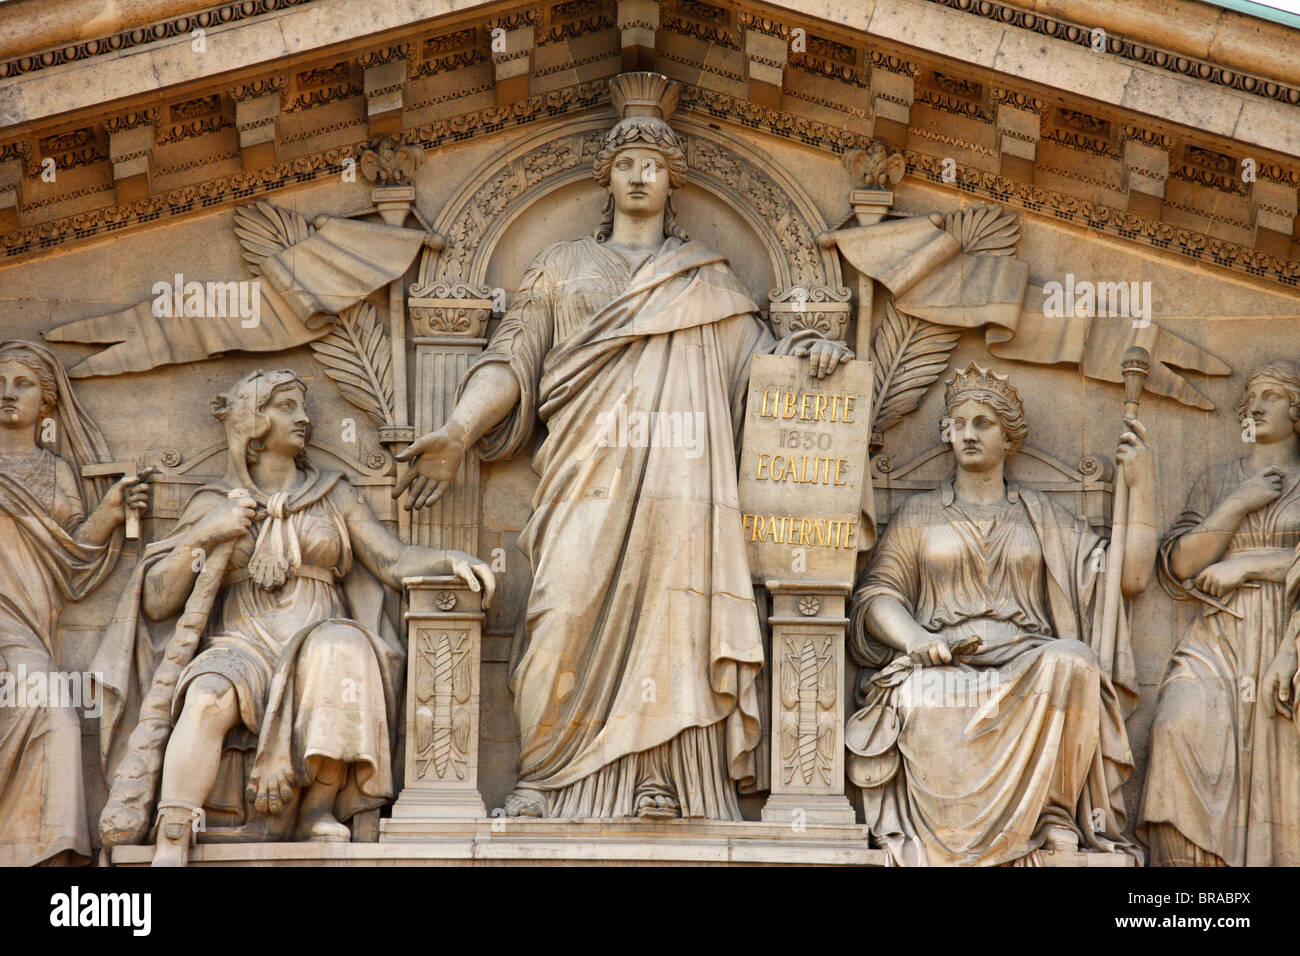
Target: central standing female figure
635	695
990	731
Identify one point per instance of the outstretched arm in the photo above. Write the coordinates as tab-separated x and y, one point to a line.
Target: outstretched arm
388	559
488	398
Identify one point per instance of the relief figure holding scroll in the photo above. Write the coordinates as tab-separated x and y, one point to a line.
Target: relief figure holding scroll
636	691
994	727
1223	778
281	649
51	552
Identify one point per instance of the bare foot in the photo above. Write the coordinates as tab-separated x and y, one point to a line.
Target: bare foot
658	806
524	803
320	826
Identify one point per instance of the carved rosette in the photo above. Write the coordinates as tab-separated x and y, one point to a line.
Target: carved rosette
450	309
823	309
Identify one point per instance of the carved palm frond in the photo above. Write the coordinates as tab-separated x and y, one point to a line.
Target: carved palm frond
909	354
265	230
984	230
357	356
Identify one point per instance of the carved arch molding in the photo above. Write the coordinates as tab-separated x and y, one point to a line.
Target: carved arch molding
451	296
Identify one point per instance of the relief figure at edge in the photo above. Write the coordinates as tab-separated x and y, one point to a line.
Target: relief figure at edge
1223	779
51	552
287	700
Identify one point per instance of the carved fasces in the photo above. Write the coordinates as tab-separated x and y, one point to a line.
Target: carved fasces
809	725
443	688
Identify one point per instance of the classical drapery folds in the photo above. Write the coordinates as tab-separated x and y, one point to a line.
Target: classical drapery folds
993	727
699	372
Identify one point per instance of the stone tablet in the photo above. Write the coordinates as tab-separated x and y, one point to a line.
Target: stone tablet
802	465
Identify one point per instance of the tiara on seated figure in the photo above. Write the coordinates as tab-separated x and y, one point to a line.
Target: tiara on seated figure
643	94
976	378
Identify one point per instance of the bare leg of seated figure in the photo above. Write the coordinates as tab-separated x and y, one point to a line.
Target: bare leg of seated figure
191	764
316	820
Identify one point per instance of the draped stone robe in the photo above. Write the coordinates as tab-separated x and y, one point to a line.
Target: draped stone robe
643	641
289	653
42	795
971	763
1222	771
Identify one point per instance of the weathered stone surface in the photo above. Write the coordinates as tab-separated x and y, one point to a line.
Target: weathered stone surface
536	339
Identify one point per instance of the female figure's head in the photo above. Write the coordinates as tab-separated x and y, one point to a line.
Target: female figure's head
264	413
640	161
1271	401
29	390
984	419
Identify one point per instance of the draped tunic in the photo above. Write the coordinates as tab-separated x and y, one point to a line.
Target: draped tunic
641	625
316	665
42	796
1223	772
970	763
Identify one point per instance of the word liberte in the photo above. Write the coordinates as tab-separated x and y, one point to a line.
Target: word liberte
209	300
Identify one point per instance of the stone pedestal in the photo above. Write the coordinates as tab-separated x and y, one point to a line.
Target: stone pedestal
807	623
444	640
527	842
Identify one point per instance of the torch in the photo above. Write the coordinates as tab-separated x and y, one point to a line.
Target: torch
1136	367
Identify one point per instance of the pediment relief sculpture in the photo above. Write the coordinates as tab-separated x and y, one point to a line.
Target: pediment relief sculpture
636	692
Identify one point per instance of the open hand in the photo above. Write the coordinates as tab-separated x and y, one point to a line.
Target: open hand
824	355
437	457
273	790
